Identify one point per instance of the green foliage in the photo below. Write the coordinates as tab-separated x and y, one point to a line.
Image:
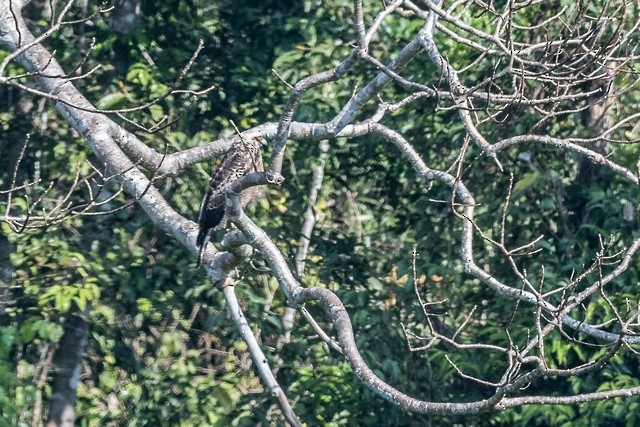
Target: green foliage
160	349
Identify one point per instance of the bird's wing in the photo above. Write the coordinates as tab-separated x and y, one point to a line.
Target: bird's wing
233	167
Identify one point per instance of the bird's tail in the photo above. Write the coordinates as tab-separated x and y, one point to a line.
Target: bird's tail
201	242
202	233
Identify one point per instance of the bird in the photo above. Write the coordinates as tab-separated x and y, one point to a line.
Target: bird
243	158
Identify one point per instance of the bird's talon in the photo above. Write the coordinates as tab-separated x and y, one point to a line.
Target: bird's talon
274	178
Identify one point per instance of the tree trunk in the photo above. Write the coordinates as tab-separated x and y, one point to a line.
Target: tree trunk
67	365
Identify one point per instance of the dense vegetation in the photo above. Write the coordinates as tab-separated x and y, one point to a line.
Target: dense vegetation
161	348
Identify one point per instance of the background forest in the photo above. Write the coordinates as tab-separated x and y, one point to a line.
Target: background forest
79	255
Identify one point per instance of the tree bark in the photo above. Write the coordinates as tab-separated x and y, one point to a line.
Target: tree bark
67	365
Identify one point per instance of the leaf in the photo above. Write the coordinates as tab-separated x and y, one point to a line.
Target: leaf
288	59
139	73
110	101
528	180
157	113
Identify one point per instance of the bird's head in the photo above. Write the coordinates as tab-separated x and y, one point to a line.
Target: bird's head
253	143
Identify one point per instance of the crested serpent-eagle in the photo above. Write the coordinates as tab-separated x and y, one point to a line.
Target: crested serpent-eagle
243	158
